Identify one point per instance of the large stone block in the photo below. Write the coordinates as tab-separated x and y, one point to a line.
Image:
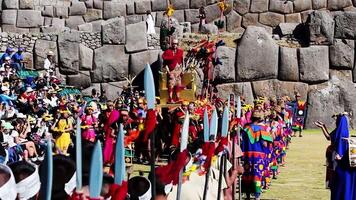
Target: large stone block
142	6
225	72
338	4
130	8
280	6
179	15
345	25
250	19
97	25
27	4
85	57
257	55
57	25
180	4
98	4
293	18
239	89
113	31
258	6
233	21
111	63
29	19
13	29
242	6
81	80
113	89
321	27
212	13
133	19
28	57
275	88
139	60
61	11
89	3
92	15
319	4
197	3
136	37
342	54
314	64
191	15
87	27
159	5
40	52
337	95
48	11
73	21
288	66
286	29
10	4
88	91
113	9
9	17
210	29
301	5
68	46
77	8
271	19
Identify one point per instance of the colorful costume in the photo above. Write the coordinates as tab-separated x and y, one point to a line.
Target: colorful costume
63	141
88	123
253	138
174	59
343	186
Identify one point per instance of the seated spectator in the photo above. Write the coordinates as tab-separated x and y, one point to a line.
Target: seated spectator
9	51
18	59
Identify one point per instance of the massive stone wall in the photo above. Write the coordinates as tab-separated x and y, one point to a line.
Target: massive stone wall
99	43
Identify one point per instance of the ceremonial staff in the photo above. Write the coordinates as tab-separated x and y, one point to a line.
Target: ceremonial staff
119	158
47	175
150	124
238	116
96	172
213	129
183	146
224	130
78	158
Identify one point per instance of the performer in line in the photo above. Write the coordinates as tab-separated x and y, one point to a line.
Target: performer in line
173	60
341	177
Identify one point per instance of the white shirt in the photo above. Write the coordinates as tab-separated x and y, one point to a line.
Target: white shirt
47	64
9	139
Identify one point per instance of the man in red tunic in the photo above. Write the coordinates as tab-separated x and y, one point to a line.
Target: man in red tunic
173	59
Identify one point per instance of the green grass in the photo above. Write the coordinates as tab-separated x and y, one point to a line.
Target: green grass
303	176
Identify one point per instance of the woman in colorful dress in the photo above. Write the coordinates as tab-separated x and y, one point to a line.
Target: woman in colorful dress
62	127
89	123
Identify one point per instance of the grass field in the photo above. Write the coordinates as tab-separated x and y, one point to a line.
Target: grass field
303	176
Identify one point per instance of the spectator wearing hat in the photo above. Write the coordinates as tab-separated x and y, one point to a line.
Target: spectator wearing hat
9	51
18	59
49	63
5	96
62	128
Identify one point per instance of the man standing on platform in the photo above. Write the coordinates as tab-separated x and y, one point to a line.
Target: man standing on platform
173	60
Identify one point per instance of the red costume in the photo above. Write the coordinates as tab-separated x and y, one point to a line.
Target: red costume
172	59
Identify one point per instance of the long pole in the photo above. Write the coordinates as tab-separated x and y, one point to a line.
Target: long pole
221	173
153	166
